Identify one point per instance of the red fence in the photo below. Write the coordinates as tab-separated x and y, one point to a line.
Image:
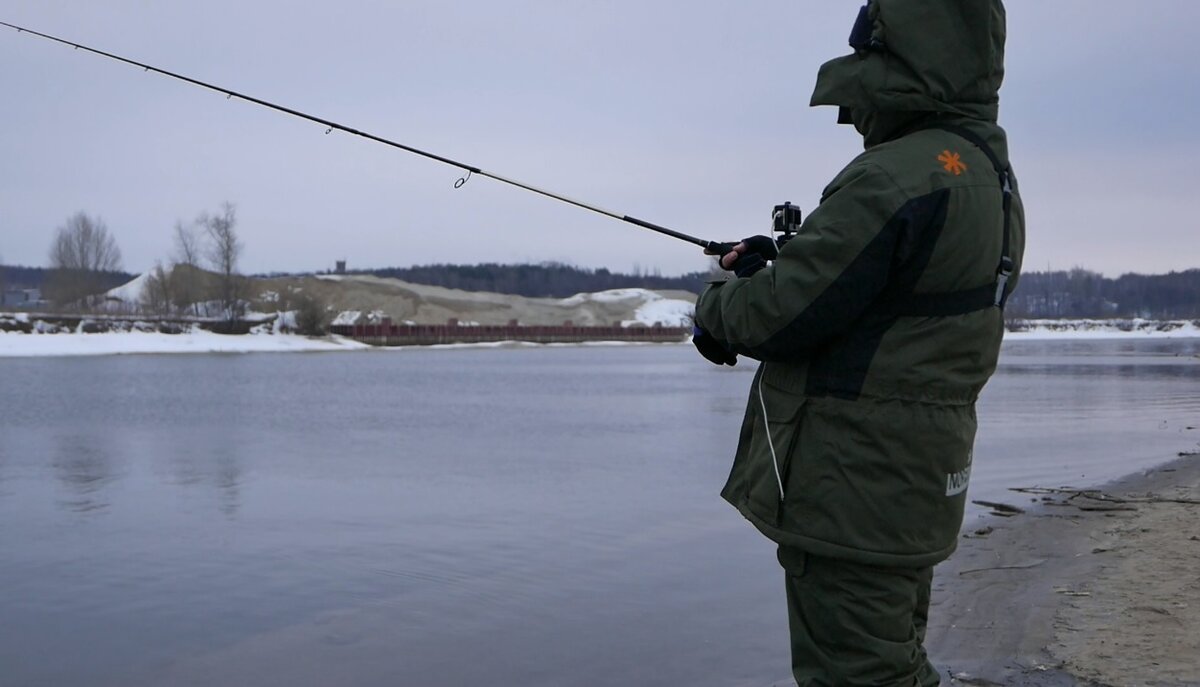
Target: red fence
387	334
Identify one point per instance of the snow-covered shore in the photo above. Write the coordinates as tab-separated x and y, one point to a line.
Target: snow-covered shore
18	345
270	340
1103	329
117	330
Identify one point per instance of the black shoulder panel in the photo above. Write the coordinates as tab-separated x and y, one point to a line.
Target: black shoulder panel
894	259
840	367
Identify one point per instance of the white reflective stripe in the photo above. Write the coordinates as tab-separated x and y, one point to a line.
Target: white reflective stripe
1001	284
767	425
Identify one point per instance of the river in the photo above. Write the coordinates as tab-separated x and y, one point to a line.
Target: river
525	516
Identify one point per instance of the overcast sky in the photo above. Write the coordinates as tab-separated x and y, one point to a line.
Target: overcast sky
693	115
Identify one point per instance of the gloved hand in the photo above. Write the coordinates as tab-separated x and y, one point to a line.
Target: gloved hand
711	349
751	254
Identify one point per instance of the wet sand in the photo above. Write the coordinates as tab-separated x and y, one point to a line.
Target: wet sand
1094	588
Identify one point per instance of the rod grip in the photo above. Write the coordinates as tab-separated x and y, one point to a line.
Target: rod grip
718	249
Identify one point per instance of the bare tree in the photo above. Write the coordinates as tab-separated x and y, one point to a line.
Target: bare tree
187	245
82	250
84	243
186	278
224	251
157	297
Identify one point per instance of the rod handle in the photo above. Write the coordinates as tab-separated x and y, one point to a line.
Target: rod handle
718	249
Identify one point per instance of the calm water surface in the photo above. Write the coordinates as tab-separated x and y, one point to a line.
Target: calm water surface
445	517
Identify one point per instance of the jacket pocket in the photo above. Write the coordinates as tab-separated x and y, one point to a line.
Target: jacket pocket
777	416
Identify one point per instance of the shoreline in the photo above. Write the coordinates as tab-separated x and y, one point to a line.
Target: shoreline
1081	589
32	334
148	343
33	345
17	345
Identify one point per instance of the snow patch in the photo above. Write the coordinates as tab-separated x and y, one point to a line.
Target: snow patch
346	318
129	293
610	296
285	321
1028	330
668	312
654	308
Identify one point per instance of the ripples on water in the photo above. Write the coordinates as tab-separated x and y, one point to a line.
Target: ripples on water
513	517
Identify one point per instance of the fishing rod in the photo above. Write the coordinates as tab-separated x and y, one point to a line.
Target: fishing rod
712	247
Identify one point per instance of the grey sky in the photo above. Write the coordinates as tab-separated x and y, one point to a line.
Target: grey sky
692	115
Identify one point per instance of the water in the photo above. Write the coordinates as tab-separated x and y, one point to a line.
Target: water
444	517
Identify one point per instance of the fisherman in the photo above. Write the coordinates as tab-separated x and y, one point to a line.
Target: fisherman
877	326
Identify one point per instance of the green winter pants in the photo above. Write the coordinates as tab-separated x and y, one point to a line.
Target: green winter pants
854	624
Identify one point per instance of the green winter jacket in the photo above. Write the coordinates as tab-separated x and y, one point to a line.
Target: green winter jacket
858	434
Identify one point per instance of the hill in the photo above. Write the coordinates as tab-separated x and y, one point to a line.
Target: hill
545	280
425	304
355	297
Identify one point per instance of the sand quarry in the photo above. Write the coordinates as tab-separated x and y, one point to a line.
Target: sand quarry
407	302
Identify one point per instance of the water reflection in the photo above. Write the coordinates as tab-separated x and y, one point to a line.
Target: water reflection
3	466
84	465
228	482
215	463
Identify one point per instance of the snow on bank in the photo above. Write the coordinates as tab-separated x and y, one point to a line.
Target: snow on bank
610	296
129	293
649	308
1031	330
15	344
667	311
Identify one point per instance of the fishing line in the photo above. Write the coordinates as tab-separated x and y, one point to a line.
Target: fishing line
711	246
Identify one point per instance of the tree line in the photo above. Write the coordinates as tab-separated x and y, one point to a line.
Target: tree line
24	277
1079	293
200	278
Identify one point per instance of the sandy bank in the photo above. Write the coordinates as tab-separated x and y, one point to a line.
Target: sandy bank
1101	588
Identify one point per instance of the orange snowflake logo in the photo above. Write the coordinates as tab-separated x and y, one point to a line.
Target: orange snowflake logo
951	162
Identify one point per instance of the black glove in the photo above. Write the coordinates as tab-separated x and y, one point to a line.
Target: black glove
711	349
759	249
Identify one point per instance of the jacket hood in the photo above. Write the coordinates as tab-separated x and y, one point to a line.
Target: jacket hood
928	56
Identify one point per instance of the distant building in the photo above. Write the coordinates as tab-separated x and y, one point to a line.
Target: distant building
21	298
340	268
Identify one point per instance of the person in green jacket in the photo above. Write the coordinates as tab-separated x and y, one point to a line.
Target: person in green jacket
877	325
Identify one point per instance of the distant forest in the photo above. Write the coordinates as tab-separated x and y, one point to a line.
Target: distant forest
1080	293
546	280
1073	293
20	277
